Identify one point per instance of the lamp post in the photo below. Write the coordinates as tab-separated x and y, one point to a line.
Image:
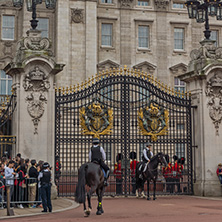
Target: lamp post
31	7
202	9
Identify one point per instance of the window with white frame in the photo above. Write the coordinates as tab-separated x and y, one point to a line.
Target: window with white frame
107	30
143	2
5	83
178	5
143	36
179	85
178	38
8	27
214	36
43	25
106	1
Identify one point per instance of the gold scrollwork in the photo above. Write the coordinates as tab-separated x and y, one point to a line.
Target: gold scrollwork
153	121
96	119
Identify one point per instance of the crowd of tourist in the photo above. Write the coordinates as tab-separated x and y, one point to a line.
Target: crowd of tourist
23	177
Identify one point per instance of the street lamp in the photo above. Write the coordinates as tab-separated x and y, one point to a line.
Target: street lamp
202	9
31	7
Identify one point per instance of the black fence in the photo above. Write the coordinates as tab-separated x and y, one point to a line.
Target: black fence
22	192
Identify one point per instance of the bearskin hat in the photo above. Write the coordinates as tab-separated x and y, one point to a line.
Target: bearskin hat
182	160
175	157
119	157
167	158
133	155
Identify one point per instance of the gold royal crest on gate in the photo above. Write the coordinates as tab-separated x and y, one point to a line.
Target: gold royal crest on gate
96	119
153	120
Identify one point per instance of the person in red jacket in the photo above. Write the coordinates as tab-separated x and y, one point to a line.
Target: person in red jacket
133	170
118	173
167	173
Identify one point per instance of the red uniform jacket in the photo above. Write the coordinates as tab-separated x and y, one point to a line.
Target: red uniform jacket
133	167
177	170
117	170
167	171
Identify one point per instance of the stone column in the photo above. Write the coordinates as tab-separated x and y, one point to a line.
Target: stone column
204	81
33	71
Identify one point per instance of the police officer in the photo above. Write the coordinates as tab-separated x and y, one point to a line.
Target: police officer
97	154
45	182
147	155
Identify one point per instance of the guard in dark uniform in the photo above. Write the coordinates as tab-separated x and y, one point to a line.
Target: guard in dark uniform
97	154
45	182
147	155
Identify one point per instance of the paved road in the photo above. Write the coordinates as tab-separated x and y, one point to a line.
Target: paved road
164	209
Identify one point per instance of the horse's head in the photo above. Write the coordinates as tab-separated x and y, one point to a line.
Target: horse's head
161	159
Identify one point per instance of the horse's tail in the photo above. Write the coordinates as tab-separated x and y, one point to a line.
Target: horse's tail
80	196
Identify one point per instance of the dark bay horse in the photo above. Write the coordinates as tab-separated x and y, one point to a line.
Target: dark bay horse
151	173
90	174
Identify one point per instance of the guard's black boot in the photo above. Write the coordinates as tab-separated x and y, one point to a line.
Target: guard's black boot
106	178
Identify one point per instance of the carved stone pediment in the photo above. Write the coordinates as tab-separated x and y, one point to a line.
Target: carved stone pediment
179	69
145	67
126	3
77	15
214	94
161	4
107	64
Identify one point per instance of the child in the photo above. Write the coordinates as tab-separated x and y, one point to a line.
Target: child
219	172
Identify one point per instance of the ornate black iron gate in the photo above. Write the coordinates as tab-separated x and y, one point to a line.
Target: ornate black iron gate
125	109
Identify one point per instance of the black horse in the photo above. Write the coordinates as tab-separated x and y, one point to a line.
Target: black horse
151	173
90	174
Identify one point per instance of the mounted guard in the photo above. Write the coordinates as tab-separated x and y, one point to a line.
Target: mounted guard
98	155
147	155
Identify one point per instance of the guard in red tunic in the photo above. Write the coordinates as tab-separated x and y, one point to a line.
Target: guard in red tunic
167	173
118	174
133	170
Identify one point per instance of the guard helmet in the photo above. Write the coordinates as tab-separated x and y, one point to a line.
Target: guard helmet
95	141
45	165
148	144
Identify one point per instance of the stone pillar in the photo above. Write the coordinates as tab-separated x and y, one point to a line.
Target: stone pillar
204	81
33	71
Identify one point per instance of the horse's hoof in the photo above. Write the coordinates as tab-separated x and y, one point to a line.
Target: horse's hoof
98	212
154	198
88	211
148	198
102	211
86	214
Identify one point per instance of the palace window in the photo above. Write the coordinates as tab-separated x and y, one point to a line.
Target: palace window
8	27
106	1
179	85
43	25
5	83
214	36
179	38
143	36
143	3
178	5
107	30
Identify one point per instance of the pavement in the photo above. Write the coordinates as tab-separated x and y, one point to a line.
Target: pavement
128	209
58	205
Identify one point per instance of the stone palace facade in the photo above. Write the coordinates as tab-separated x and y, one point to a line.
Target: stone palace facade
155	36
